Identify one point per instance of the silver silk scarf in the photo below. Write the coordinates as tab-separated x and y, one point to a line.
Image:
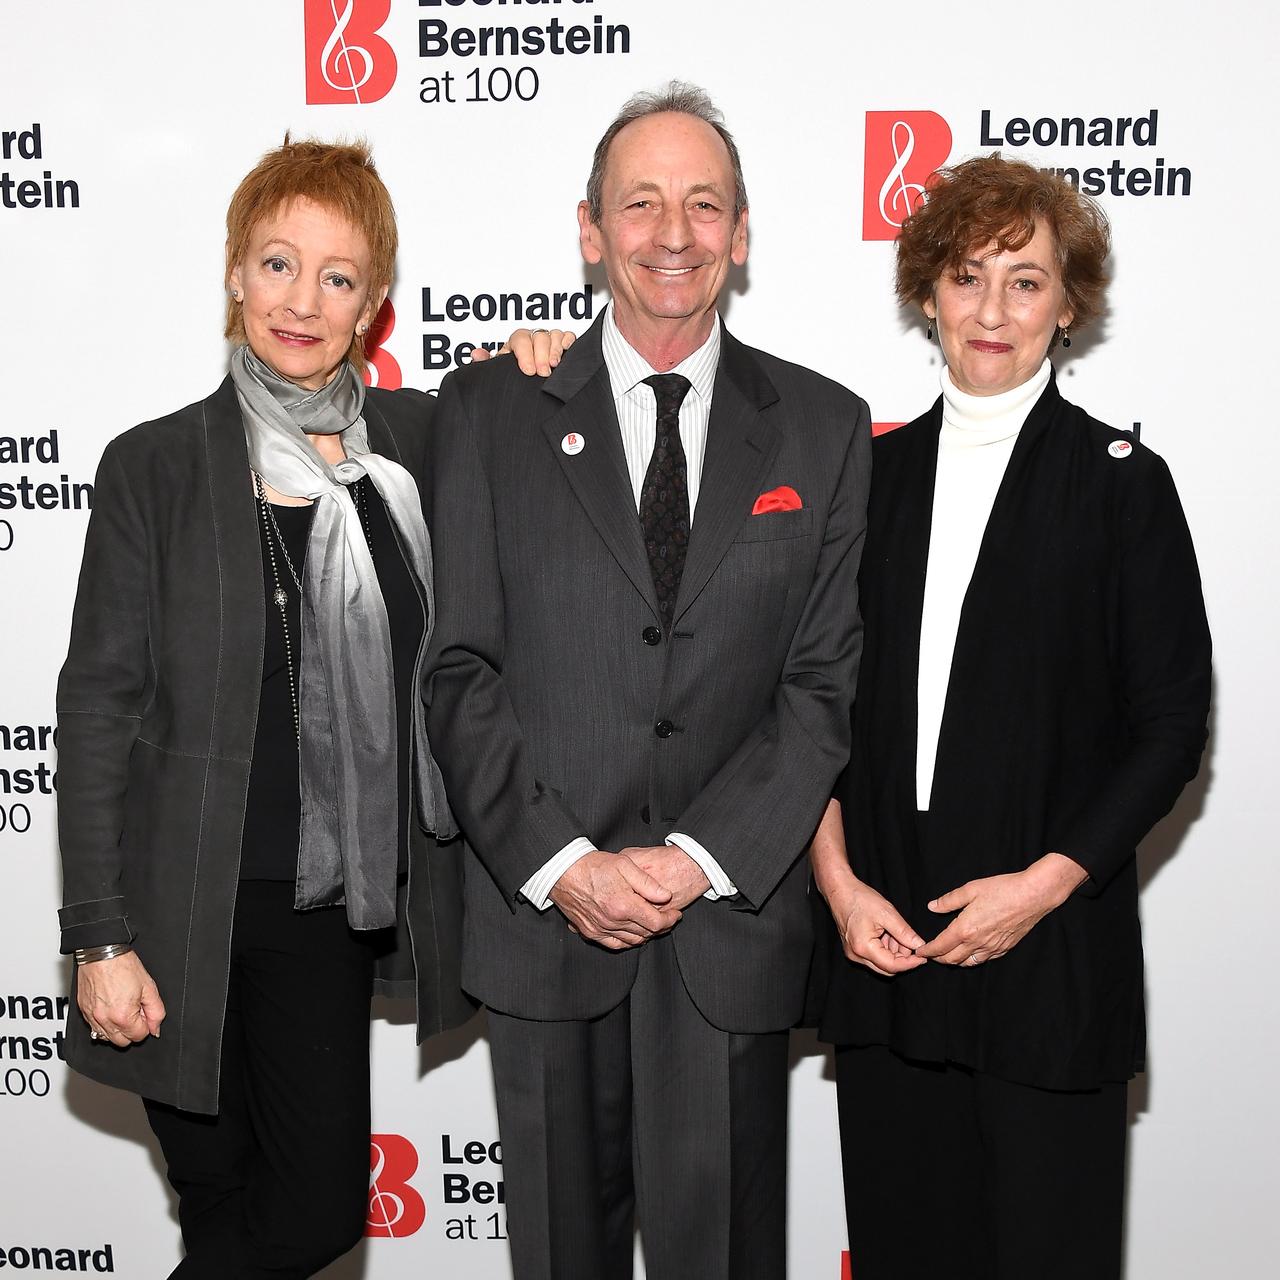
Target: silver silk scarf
347	752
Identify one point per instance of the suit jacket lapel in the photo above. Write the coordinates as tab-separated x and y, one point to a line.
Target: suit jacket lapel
380	438
242	608
740	448
598	474
906	490
1011	544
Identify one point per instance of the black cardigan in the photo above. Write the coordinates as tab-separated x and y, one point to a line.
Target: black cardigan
1075	714
157	708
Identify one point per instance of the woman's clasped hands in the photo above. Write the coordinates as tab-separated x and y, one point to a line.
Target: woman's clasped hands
994	913
997	912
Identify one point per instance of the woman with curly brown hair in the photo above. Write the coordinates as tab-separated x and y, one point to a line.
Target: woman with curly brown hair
1033	696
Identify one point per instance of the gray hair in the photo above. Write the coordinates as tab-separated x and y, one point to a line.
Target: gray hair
684	99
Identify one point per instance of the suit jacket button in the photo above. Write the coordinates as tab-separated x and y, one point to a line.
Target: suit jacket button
664	728
644	814
651	635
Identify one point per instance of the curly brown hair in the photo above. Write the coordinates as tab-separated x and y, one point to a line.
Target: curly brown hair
988	198
340	176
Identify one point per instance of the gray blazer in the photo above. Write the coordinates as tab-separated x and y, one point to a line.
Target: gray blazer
546	698
157	709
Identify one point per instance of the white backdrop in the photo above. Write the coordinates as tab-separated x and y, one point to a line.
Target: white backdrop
124	129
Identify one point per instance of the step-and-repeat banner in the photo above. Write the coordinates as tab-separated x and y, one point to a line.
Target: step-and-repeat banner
124	129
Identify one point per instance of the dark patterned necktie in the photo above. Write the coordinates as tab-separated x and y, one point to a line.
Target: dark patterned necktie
664	499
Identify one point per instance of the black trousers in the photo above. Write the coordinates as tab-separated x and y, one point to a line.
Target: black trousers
277	1183
950	1172
650	1110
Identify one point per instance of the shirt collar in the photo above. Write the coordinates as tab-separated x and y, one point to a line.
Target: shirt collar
969	420
627	367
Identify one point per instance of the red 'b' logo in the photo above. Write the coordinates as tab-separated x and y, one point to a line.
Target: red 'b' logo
903	149
395	1208
347	61
383	370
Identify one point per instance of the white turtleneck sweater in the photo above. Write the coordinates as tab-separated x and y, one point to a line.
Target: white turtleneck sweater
974	446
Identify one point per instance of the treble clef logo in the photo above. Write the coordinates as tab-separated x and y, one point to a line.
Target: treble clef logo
395	1208
382	369
347	61
909	193
385	1207
899	146
338	54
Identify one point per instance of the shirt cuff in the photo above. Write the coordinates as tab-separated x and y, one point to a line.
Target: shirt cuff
537	889
721	885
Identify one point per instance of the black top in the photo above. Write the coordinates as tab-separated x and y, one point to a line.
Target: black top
269	845
1075	714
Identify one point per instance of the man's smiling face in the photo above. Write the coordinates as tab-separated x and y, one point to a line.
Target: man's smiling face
667	233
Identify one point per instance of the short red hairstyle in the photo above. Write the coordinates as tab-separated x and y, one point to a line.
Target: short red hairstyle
990	198
340	176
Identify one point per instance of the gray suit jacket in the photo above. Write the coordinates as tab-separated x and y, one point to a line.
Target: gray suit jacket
544	696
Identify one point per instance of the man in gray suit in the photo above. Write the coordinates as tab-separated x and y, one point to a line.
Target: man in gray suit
639	693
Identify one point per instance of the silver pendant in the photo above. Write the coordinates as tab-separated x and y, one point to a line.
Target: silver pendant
281	597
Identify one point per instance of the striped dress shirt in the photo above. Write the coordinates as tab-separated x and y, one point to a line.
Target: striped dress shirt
637	408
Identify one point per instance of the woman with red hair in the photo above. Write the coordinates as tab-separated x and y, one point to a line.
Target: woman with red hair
245	780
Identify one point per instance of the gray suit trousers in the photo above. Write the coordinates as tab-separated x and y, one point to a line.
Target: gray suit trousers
651	1112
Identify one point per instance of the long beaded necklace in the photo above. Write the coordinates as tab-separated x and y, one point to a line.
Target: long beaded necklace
280	595
273	540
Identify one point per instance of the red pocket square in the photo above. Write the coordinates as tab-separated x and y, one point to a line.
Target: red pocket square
783	498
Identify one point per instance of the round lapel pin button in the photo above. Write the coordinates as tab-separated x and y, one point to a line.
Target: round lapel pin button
572	443
1120	448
